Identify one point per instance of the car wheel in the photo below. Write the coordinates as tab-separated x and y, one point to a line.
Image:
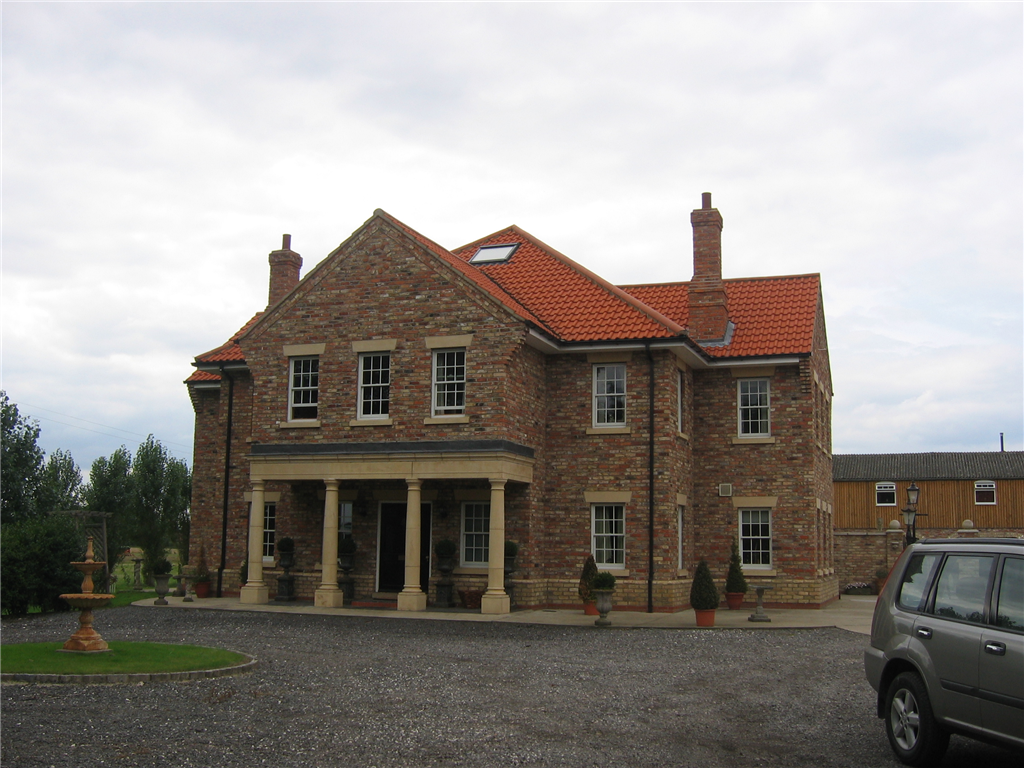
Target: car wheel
914	735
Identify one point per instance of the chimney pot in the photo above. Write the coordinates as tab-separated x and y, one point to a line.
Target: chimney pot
285	265
705	201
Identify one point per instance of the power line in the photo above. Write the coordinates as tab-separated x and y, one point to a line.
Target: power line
95	423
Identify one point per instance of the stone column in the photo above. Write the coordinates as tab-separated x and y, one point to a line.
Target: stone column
412	597
328	595
495	600
255	591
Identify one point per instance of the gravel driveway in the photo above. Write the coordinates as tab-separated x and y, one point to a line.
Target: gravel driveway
386	692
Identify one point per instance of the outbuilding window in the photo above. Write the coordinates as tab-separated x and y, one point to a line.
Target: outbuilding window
885	494
984	492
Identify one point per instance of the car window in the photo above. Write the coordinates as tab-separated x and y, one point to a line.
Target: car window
960	593
1010	607
915	578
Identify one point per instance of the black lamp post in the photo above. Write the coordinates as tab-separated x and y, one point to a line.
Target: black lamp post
910	513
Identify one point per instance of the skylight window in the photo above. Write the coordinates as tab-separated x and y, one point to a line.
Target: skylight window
487	254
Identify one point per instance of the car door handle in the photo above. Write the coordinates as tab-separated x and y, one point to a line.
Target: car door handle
996	649
924	632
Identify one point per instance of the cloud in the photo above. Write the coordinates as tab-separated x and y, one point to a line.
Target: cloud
155	153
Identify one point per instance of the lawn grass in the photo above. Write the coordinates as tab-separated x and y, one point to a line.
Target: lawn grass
127	598
122	658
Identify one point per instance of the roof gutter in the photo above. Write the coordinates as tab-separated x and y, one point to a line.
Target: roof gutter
682	346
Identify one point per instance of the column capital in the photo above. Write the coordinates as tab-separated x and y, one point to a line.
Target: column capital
331	483
258	485
413	482
497	484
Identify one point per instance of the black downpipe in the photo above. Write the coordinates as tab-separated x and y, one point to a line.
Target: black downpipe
227	484
650	482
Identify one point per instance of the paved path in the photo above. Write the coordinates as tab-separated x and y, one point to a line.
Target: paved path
852	613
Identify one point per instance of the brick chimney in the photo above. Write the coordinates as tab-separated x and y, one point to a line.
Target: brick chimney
284	270
709	315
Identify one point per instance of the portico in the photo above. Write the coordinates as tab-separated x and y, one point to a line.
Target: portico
498	462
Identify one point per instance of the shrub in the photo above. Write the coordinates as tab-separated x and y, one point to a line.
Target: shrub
347	545
202	569
604	580
35	564
511	549
285	545
161	567
735	580
703	593
587	577
446	549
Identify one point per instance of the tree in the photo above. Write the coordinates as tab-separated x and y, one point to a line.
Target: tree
21	464
60	486
160	491
110	490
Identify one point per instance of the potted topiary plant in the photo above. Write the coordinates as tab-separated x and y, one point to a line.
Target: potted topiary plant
201	584
161	575
735	582
704	595
346	562
602	588
586	587
446	551
511	550
286	559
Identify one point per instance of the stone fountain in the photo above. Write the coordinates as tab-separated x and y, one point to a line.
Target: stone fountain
87	639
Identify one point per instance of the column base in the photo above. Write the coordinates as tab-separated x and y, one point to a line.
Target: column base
329	597
412	601
495	603
254	595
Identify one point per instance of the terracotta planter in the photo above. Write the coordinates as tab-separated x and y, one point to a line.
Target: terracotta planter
734	600
202	588
590	609
705	618
471	597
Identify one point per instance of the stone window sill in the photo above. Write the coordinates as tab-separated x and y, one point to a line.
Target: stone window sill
446	420
370	423
753	441
466	570
608	430
311	424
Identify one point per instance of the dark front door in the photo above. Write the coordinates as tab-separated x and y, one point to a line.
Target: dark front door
391	561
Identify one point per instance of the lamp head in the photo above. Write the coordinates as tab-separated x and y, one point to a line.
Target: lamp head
913	494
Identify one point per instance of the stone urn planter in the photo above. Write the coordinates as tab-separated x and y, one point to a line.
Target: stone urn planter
603	589
161	576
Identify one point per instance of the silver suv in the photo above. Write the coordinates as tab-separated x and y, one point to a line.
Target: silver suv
947	646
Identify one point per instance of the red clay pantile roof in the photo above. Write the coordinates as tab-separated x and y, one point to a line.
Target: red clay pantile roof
229	352
570	301
772	315
202	376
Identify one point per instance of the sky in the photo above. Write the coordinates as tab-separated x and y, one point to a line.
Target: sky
154	153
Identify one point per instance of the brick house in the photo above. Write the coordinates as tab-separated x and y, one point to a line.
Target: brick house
403	393
962	494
